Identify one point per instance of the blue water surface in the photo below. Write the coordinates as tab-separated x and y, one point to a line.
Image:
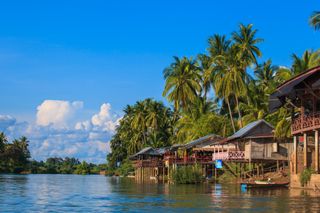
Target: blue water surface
95	193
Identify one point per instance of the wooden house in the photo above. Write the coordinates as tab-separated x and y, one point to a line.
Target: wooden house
148	164
191	154
253	143
302	95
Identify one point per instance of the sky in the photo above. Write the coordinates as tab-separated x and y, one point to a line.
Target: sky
68	68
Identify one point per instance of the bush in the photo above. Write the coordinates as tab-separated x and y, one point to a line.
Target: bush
305	176
125	168
187	175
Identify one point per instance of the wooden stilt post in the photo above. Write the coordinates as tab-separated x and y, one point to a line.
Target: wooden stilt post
215	174
316	141
277	166
295	154
305	150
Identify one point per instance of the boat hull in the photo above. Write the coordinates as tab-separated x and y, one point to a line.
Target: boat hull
268	185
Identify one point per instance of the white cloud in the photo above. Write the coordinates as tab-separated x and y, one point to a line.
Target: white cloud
6	121
56	112
53	136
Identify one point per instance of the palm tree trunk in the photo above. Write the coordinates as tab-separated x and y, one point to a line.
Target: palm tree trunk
230	113
240	117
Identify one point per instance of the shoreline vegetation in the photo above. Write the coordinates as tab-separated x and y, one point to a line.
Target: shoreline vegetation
215	92
15	159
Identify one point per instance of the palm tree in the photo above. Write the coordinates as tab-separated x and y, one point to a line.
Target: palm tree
182	84
265	75
315	20
308	60
229	80
218	45
205	67
246	42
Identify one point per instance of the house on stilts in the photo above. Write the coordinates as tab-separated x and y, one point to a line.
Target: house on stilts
253	147
148	164
191	154
302	95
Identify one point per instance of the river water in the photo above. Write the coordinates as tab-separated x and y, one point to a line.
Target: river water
94	193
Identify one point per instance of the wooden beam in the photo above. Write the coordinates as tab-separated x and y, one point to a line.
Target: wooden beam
305	150
316	141
295	154
310	90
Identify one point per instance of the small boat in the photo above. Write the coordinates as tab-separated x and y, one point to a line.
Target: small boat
263	184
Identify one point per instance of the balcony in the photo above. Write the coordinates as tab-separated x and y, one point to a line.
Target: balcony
147	163
230	155
305	123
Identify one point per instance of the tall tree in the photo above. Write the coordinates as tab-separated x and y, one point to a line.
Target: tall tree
247	51
229	80
182	82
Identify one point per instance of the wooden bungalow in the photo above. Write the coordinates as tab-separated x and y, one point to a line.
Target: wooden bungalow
253	143
192	153
302	95
148	164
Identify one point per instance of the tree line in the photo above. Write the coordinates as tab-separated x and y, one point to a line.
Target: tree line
15	157
218	91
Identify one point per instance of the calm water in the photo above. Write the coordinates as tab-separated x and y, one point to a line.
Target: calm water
76	193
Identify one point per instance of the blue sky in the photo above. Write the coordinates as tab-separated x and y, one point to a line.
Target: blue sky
114	51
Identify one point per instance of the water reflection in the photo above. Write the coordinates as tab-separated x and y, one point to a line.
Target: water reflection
76	193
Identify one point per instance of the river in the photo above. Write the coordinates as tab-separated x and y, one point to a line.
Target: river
94	193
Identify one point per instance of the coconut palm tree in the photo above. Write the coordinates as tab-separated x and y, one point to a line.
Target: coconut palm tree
308	60
315	20
229	80
246	42
265	75
182	84
218	45
205	67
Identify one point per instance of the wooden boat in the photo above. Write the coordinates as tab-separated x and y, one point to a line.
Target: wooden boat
264	184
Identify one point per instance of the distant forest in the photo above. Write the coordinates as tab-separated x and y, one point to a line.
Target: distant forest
15	158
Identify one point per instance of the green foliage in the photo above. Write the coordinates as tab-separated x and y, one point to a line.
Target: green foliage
187	174
13	156
146	123
82	169
125	168
305	176
182	82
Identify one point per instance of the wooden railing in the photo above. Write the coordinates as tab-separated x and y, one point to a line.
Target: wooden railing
188	160
305	123
230	155
147	163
